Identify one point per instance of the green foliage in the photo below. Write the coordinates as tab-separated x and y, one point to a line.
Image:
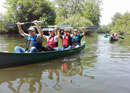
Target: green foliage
30	10
77	20
2	23
122	24
115	17
66	8
105	28
75	12
90	9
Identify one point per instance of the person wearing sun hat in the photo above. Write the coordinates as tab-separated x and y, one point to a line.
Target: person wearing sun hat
76	37
34	41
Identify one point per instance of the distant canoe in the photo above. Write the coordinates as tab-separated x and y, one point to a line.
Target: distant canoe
107	34
113	39
14	59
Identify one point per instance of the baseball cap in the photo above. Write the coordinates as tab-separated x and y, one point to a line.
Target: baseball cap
75	30
52	30
31	28
67	29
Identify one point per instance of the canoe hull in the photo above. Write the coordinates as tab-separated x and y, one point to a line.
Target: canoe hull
14	59
112	39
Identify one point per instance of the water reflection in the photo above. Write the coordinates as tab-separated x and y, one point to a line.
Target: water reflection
102	67
8	42
34	78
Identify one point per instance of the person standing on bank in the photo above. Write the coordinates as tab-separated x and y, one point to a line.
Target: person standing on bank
34	41
76	37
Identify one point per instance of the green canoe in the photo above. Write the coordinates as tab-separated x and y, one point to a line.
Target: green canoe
14	59
113	39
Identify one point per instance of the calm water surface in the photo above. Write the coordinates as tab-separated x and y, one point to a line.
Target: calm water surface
103	67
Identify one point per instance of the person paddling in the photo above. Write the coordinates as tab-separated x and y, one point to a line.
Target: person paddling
114	36
76	37
34	41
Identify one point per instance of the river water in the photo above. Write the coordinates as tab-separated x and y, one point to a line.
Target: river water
102	67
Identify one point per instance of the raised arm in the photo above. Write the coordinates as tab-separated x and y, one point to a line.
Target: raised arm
38	28
57	32
44	36
21	32
84	31
72	31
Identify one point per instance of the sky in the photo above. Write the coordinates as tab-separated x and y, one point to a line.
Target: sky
109	8
2	9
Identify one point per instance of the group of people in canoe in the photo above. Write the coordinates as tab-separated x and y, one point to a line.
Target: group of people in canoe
113	36
34	40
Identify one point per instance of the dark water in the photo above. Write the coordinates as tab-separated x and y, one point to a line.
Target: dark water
103	67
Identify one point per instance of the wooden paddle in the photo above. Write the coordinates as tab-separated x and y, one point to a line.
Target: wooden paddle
11	25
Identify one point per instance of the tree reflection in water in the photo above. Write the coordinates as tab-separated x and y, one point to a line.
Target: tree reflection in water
34	78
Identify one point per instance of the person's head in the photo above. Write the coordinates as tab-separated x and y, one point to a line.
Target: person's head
115	34
76	32
66	31
31	31
112	34
51	32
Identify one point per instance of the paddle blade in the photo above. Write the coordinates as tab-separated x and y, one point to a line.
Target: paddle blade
10	25
46	29
92	27
105	36
121	37
64	26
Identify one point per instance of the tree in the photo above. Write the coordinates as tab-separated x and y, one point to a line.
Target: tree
77	21
105	28
2	22
92	11
122	24
29	10
115	17
67	8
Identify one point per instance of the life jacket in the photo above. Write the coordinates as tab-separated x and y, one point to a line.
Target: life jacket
51	42
66	41
76	40
31	41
